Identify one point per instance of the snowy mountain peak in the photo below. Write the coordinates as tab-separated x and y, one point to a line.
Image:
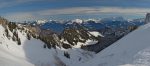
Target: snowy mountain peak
113	19
41	21
91	20
94	20
79	21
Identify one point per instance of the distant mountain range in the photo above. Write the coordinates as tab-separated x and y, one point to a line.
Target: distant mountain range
91	24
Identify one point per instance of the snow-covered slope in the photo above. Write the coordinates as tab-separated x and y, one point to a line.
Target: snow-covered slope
32	52
131	50
10	53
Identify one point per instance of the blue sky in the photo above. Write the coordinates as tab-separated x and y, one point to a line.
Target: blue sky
21	10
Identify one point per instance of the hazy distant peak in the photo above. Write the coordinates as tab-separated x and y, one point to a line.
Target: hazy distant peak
77	21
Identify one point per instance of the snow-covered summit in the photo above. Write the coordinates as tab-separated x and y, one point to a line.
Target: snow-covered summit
41	21
112	19
79	21
93	20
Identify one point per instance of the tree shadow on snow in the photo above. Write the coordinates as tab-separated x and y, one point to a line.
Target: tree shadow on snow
40	56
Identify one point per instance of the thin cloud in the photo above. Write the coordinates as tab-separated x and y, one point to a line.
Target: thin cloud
11	3
90	10
19	17
76	10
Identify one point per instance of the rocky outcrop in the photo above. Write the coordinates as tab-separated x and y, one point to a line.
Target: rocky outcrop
147	19
77	33
3	21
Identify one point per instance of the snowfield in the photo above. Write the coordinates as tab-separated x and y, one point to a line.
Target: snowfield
10	53
96	34
131	50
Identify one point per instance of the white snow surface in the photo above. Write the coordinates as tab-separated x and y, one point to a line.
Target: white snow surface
96	34
10	53
131	50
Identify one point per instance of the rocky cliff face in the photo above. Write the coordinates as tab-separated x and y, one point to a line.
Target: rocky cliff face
77	33
72	36
147	19
3	21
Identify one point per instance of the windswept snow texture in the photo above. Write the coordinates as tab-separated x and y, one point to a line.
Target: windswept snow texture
131	50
